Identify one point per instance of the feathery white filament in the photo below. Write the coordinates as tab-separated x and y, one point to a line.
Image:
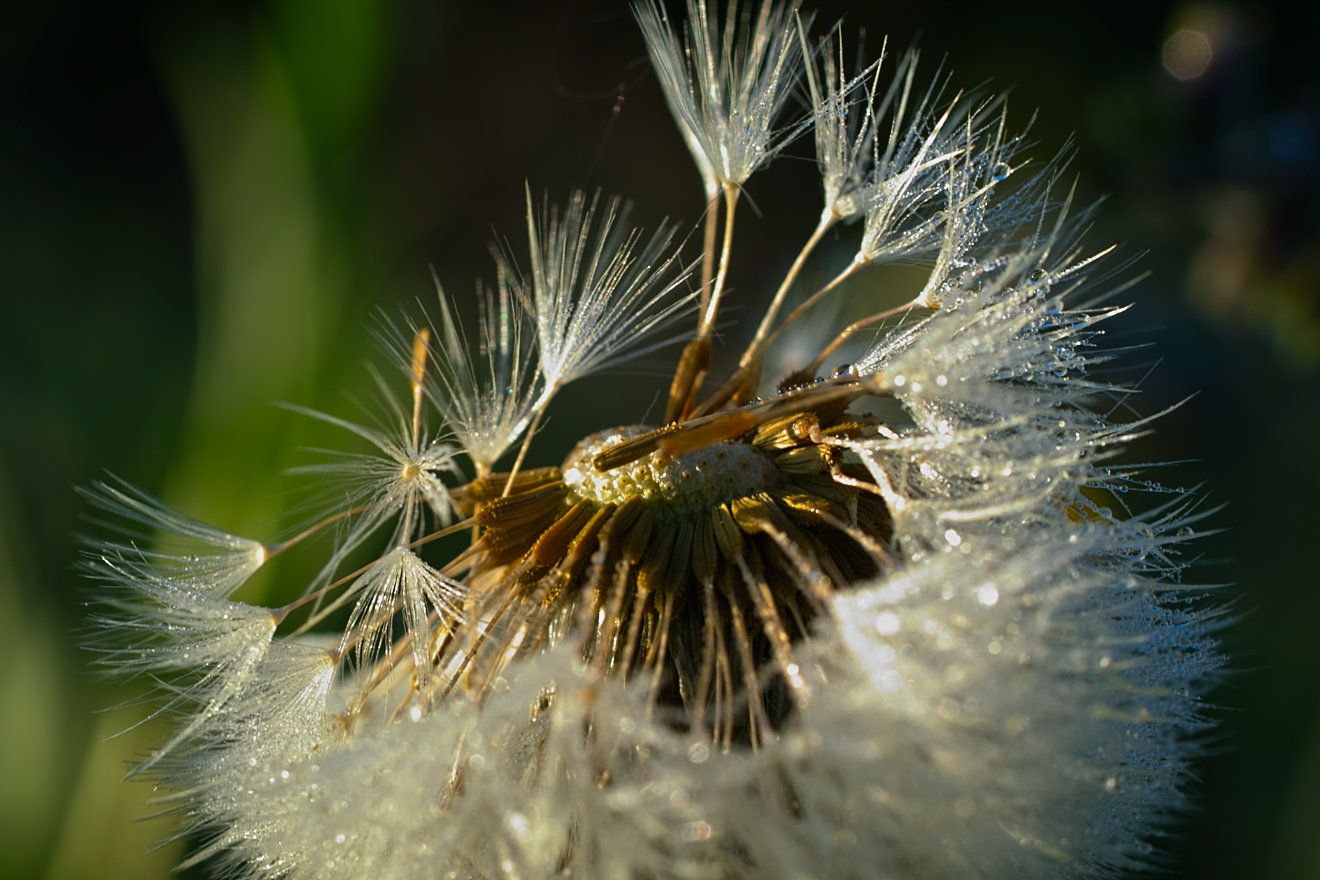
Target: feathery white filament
399	581
188	552
487	404
162	626
844	121
725	90
597	291
401	483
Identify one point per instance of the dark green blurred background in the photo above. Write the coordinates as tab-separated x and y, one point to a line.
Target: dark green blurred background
202	209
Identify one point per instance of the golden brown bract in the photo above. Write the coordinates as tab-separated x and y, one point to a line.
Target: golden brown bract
697	568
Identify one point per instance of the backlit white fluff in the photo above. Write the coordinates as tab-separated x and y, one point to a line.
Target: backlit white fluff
725	86
598	291
484	383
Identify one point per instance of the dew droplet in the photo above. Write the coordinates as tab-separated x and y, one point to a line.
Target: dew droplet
887	623
1000	171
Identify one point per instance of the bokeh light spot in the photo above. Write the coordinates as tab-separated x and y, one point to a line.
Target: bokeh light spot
1188	53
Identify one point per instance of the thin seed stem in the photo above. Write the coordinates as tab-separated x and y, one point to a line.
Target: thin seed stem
692	367
284	610
527	442
853	328
827	219
745	378
707	324
420	342
272	550
810	301
708	246
694	363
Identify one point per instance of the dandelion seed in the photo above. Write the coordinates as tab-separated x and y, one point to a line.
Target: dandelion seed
487	398
871	622
399	581
844	121
401	483
726	89
176	546
164	626
598	292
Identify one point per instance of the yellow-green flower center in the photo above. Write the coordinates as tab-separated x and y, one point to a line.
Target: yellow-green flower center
684	485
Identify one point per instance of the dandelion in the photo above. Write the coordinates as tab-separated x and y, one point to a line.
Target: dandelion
878	619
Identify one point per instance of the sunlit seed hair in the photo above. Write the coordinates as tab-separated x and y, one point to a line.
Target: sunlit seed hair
189	553
725	86
400	485
886	618
487	395
599	293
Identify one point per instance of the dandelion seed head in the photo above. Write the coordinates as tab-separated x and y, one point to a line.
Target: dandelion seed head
877	618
